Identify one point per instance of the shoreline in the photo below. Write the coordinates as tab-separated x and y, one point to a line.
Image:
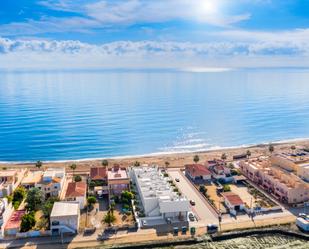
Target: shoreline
175	159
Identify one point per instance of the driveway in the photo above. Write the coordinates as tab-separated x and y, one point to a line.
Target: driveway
204	212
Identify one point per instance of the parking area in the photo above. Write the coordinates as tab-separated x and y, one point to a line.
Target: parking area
201	208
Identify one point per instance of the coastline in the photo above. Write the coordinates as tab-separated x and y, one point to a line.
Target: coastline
176	159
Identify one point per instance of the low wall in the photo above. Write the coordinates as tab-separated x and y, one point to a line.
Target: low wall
239	234
32	234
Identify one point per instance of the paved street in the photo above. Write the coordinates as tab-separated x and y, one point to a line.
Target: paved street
204	212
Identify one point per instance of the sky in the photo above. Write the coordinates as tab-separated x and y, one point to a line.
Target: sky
194	35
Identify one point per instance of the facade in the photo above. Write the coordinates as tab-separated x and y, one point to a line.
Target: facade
76	192
31	179
10	180
284	185
118	180
65	218
297	162
6	210
157	195
233	202
52	182
197	172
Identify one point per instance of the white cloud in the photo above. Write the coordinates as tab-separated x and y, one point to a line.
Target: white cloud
265	49
87	15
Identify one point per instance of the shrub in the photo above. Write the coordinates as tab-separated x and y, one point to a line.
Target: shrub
203	189
91	200
109	218
27	222
126	206
226	188
165	174
77	178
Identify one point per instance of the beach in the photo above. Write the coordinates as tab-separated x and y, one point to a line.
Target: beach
175	160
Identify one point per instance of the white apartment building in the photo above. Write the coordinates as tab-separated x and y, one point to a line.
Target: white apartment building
157	195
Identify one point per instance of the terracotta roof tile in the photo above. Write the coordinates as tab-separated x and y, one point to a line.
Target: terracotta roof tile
99	173
197	170
76	189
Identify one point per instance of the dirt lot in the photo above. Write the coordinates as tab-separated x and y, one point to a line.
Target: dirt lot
212	192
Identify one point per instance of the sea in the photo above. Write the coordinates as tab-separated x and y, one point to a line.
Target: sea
79	115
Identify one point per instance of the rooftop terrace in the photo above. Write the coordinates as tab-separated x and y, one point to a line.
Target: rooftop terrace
153	184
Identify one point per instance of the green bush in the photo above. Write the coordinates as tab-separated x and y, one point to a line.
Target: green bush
226	188
77	178
27	222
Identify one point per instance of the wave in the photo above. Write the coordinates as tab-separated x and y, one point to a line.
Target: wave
164	153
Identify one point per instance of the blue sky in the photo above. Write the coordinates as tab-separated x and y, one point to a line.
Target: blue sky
170	33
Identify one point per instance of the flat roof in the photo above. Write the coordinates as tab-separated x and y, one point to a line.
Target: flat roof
4	173
32	177
117	174
63	208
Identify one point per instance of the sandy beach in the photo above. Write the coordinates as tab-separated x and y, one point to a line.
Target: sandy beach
175	160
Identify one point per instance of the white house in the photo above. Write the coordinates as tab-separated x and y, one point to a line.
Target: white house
197	172
65	217
6	210
233	202
10	180
76	191
52	182
158	197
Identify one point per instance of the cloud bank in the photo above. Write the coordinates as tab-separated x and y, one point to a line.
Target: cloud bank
251	49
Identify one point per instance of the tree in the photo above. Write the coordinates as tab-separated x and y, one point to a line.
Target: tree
137	164
203	189
19	194
105	163
109	218
27	222
48	206
293	148
77	178
127	195
91	200
35	199
196	158
73	168
38	164
167	164
271	148
248	153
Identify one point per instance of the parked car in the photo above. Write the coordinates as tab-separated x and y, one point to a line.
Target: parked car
212	228
192	202
177	179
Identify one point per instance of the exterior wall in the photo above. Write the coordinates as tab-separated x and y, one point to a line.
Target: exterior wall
303	172
9	209
289	192
71	222
80	199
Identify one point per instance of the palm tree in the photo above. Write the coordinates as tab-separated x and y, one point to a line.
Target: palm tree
248	153
167	164
105	163
271	148
224	157
38	164
196	158
293	148
73	167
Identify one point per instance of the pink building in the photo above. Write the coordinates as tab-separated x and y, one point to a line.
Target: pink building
284	185
118	180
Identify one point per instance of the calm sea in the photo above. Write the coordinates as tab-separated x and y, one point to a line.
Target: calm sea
78	115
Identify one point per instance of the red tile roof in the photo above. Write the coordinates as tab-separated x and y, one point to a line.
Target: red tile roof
233	198
15	220
197	170
76	189
99	173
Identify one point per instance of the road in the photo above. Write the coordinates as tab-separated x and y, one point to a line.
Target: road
204	212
